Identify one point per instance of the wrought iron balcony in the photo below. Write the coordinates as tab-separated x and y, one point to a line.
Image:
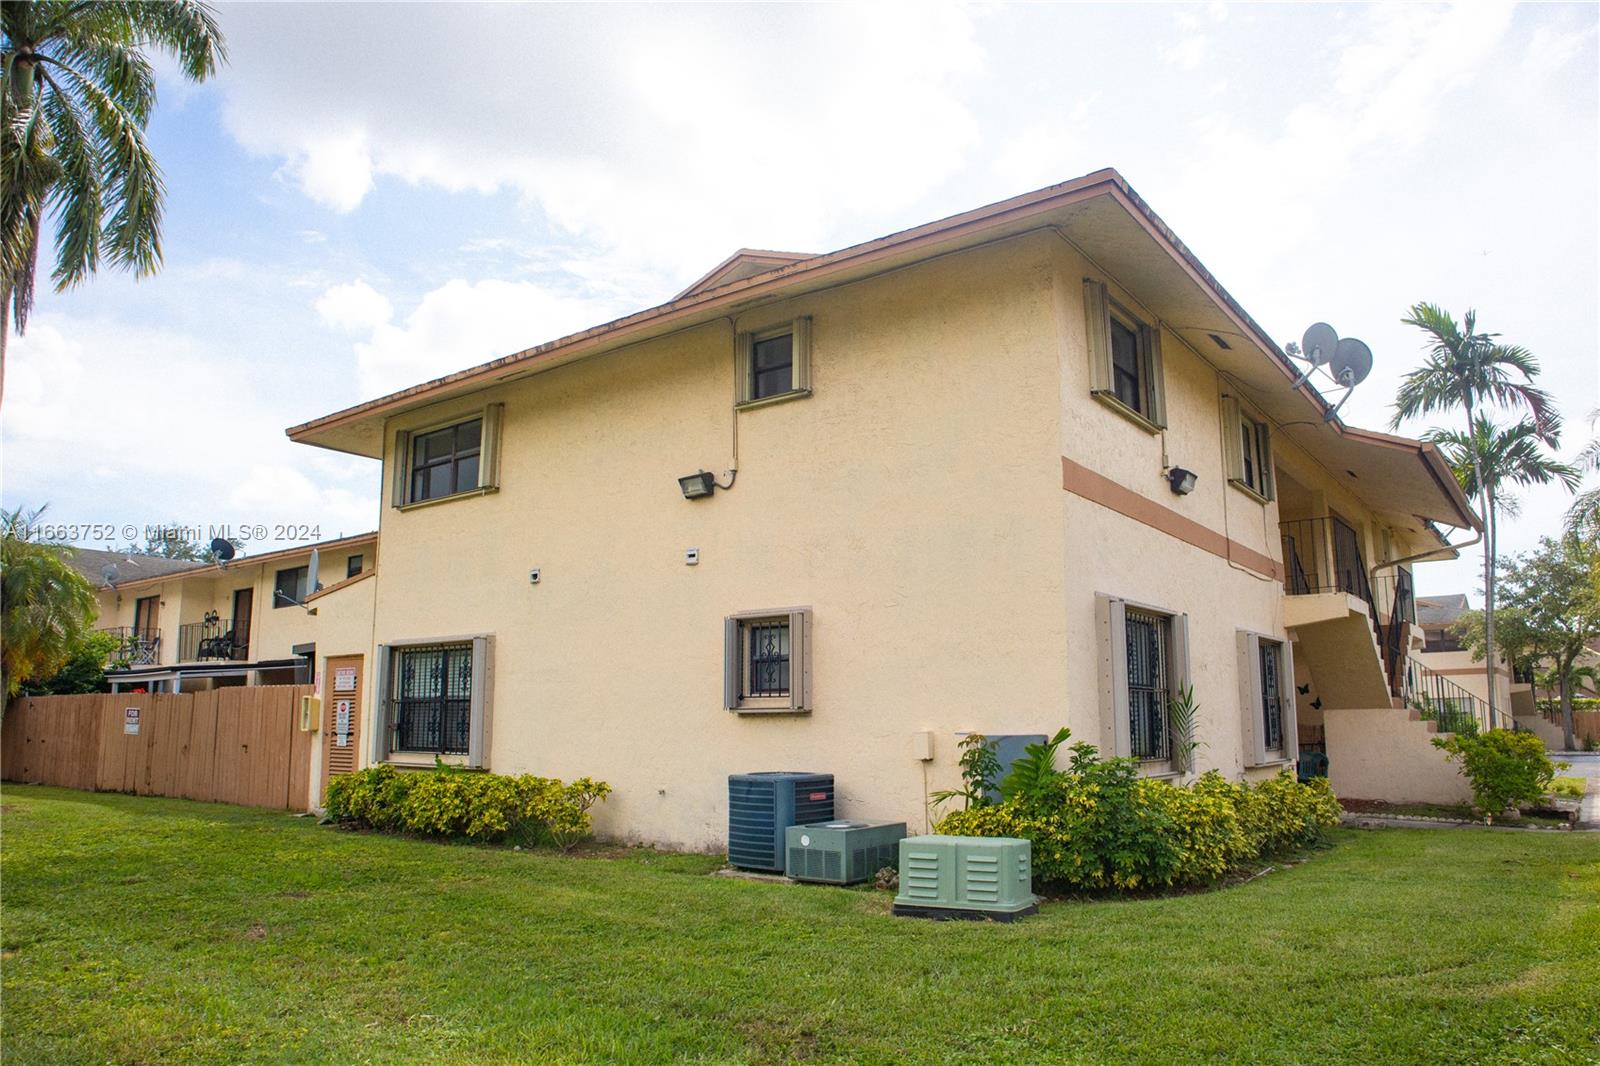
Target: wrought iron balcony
211	640
134	647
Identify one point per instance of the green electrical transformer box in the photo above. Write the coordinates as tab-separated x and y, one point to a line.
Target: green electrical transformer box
966	877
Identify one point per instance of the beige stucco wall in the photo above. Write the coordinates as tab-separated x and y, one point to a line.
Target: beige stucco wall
1383	753
342	626
1459	668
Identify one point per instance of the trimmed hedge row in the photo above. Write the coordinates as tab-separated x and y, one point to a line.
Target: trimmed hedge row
450	802
1100	826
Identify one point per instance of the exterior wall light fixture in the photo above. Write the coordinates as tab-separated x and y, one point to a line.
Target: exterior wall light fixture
1181	480
697	485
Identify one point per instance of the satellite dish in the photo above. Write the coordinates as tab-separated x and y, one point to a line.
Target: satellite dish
221	549
1351	362
1319	343
108	573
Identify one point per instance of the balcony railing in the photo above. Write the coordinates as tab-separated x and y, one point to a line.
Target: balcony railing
135	647
213	639
1441	700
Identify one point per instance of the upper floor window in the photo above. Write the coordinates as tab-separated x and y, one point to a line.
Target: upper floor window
442	461
1124	357
290	586
352	566
775	363
1249	448
1441	639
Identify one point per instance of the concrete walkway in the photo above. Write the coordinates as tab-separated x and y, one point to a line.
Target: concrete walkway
1584	764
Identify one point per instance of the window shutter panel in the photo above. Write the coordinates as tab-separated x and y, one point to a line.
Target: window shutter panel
400	485
1269	476
1232	439
1097	332
730	664
800	660
802	352
478	737
1291	713
489	454
1180	650
1157	377
1249	666
381	684
743	353
1113	675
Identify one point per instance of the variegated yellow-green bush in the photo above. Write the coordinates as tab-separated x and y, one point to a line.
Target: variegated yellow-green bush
1100	826
448	802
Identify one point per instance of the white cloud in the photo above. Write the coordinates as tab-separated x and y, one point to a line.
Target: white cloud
664	136
354	307
1188	53
457	325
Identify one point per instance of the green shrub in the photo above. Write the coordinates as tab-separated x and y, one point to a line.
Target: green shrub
1571	787
1505	768
451	802
1100	826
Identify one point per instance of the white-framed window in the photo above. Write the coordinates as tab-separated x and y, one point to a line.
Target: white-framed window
1125	367
1144	661
1248	442
433	700
766	661
1267	699
775	364
457	457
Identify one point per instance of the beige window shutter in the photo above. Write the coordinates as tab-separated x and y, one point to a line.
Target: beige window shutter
478	735
1233	438
1291	715
1249	666
1097	332
489	452
800	660
401	467
732	664
743	353
802	353
1155	374
382	684
1114	731
1269	476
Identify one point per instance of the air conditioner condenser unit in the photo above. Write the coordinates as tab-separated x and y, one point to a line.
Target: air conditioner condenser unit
842	852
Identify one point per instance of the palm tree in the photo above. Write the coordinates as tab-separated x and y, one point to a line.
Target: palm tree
1472	371
1503	456
46	607
76	91
1584	514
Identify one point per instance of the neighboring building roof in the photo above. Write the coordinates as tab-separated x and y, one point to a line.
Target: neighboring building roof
250	560
1441	610
131	566
1101	216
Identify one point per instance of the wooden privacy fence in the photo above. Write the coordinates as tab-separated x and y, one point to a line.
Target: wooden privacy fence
230	745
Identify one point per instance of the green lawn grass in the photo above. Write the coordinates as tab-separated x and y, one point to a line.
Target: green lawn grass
1572	787
143	930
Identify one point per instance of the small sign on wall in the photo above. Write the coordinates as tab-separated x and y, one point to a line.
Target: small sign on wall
344	679
341	723
130	721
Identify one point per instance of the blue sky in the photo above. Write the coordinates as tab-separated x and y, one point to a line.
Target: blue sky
370	195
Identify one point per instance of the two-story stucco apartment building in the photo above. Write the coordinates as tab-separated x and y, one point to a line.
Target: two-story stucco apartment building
1023	467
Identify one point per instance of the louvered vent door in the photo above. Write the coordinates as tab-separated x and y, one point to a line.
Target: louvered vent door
344	687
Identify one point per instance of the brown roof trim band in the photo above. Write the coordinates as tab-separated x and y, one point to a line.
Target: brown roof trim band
1081	481
337	585
245	560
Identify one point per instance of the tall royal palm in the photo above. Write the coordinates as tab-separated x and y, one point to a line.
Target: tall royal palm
1473	372
76	90
1506	458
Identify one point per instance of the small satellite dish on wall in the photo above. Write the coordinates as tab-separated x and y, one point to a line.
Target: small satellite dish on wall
1351	362
221	549
1319	343
108	573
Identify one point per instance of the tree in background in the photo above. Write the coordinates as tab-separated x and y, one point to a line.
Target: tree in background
1553	593
1471	372
1503	456
1584	515
47	608
169	545
84	672
76	91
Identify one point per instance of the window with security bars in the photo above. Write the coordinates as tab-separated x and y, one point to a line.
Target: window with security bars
1271	657
766	658
1149	642
432	710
